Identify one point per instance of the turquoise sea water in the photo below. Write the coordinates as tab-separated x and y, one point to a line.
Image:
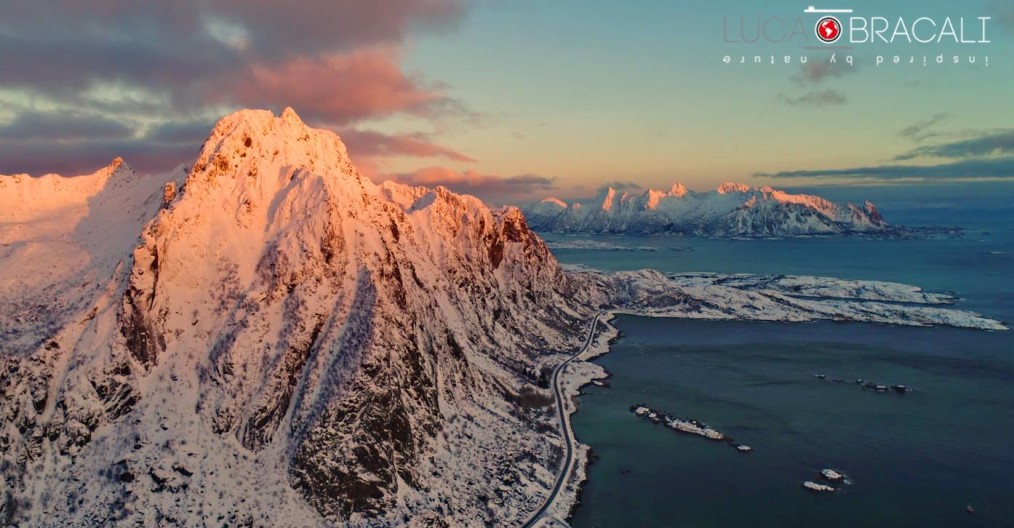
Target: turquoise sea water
914	460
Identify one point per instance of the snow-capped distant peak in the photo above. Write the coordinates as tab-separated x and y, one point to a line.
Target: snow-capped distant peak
555	201
118	164
732	187
608	199
678	190
654	197
114	166
732	209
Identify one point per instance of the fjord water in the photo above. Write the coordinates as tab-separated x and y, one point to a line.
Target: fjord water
914	460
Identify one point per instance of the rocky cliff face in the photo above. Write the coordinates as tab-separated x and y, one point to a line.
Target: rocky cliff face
732	209
287	343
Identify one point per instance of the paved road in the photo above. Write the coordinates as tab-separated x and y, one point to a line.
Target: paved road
568	433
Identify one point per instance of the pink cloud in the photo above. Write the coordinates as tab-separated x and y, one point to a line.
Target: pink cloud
337	62
338	88
309	27
372	144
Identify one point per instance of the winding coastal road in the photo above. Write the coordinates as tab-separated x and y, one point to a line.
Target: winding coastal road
568	433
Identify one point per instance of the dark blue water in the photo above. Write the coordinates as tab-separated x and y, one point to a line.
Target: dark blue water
915	460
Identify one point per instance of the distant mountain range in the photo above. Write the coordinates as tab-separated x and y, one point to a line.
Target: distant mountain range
733	209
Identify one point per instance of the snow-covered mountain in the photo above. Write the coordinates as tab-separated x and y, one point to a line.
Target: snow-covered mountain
733	209
271	339
266	338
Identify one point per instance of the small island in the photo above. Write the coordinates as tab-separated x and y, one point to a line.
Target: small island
687	426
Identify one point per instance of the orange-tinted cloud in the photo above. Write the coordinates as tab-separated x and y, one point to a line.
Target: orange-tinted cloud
372	144
173	64
337	88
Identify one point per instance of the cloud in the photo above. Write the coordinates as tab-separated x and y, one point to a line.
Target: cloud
62	62
814	72
369	143
68	46
974	155
69	143
618	186
492	189
985	144
64	126
161	62
816	99
310	27
1003	13
86	156
77	143
994	168
339	89
921	130
193	132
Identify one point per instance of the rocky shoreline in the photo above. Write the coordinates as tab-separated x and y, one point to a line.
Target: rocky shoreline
579	374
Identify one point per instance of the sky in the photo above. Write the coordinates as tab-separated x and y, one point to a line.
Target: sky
516	100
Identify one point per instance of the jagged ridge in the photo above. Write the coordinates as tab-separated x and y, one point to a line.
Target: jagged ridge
733	209
287	327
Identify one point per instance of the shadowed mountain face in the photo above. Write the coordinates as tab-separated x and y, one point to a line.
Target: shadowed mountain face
286	337
732	209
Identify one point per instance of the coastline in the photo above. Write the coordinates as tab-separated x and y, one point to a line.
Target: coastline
742	297
576	376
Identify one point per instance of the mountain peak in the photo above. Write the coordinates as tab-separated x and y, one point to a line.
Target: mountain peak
118	172
257	144
607	199
263	121
279	320
732	187
732	209
290	115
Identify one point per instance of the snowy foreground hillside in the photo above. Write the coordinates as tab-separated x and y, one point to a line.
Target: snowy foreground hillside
269	339
733	209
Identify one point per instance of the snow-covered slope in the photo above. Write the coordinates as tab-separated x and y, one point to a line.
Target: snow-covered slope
783	298
61	239
285	344
732	209
270	339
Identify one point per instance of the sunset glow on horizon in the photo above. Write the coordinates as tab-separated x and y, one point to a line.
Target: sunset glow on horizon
518	100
